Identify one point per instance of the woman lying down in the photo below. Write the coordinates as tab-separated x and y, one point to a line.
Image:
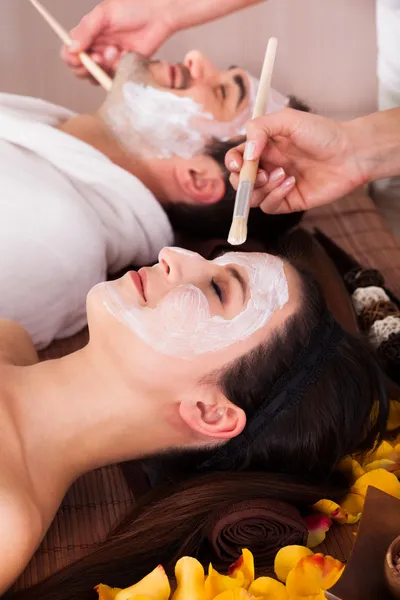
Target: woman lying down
233	365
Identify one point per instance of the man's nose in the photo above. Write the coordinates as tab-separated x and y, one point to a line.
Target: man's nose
199	65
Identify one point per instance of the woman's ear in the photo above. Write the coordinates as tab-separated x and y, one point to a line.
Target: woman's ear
200	180
213	419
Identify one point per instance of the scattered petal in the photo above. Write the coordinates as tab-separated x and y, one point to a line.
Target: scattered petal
105	592
287	558
382	463
394	416
384	450
155	585
190	580
335	512
236	594
217	584
268	589
243	568
313	575
381	479
351	469
317	525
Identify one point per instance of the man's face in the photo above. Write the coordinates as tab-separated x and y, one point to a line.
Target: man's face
191	102
224	94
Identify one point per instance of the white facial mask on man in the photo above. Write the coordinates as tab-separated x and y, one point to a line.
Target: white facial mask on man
182	325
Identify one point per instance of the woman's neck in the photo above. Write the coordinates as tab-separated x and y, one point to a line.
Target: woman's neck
76	414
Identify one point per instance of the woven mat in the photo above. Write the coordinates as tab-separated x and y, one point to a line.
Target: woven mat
98	500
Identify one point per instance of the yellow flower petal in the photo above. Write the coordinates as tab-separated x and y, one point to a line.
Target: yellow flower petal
190	580
155	585
382	463
236	594
243	568
287	558
394	416
268	589
379	478
352	506
351	469
105	592
217	584
312	575
384	450
335	512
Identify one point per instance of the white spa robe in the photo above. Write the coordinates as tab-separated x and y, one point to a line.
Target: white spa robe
68	216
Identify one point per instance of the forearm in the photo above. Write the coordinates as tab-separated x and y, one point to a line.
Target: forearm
188	13
376	144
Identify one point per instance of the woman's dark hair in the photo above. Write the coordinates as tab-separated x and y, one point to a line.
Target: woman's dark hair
336	406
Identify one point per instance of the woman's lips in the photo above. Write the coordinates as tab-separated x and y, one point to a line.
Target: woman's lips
138	283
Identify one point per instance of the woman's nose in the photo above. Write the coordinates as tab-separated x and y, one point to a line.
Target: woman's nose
178	263
199	65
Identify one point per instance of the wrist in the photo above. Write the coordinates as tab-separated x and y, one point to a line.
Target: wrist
375	143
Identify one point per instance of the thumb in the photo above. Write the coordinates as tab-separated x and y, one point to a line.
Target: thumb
91	26
260	130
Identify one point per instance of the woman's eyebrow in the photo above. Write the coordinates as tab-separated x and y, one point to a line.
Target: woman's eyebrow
238	79
236	275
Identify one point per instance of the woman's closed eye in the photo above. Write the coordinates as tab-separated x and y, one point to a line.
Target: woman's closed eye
217	290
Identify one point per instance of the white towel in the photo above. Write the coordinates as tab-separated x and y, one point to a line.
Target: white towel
68	215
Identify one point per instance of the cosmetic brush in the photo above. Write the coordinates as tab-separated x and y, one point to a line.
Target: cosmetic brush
248	173
94	69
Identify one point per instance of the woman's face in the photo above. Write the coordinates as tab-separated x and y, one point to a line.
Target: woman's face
191	316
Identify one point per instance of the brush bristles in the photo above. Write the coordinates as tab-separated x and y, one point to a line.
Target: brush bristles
238	231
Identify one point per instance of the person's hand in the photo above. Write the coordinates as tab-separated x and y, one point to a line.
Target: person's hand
118	26
309	160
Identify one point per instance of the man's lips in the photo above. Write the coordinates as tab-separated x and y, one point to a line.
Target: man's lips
139	281
179	77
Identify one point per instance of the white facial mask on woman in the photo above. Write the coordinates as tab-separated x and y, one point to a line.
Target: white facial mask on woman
182	324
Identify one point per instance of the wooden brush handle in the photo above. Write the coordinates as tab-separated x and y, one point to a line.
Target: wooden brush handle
94	69
249	171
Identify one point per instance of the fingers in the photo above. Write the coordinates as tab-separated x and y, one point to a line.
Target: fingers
108	57
271	191
89	28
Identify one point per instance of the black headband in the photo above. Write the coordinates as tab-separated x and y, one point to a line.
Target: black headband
285	393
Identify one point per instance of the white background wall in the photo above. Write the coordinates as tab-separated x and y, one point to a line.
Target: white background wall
327	50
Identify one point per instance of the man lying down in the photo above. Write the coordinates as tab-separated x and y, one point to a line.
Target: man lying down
86	195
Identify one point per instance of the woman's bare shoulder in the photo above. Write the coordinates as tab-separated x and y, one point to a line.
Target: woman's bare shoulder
21	529
16	346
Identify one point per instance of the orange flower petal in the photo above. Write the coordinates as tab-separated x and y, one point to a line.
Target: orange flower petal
243	568
268	589
287	558
190	580
105	592
217	584
312	575
317	525
155	585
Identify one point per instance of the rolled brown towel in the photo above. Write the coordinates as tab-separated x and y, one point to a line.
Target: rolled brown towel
262	526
